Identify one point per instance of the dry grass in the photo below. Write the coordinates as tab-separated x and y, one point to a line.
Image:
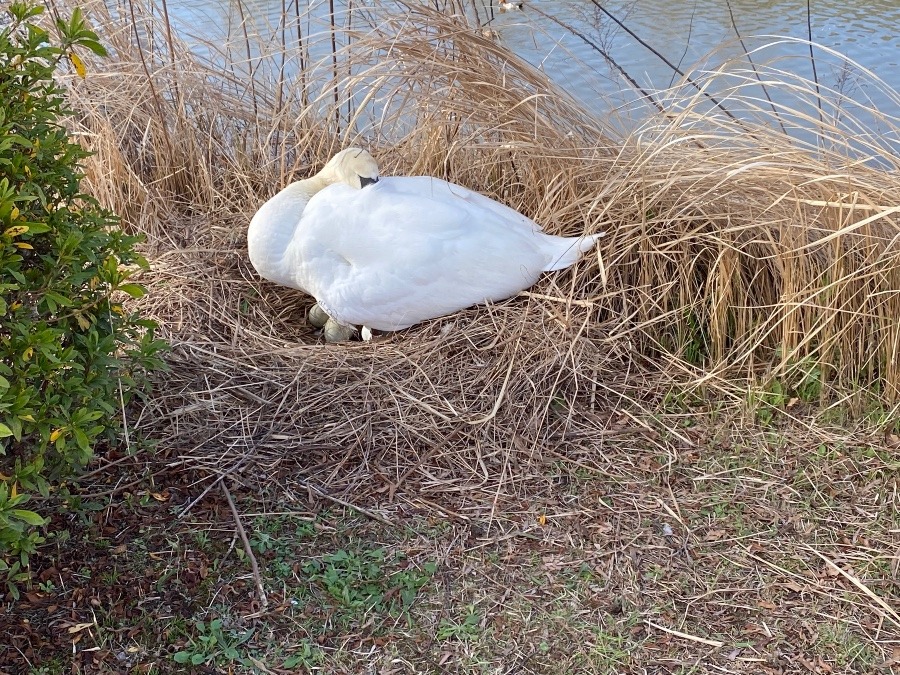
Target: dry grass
734	247
741	266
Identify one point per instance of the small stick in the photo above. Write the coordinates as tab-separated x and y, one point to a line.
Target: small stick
755	71
686	636
338	500
209	487
504	537
861	586
565	301
253	564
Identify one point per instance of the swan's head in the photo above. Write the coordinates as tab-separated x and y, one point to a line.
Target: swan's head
353	166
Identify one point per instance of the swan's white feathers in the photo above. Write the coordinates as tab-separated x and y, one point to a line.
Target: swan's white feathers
401	250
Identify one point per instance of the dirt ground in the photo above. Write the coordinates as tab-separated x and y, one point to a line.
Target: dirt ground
713	549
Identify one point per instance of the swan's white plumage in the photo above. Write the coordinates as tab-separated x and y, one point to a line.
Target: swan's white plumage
402	250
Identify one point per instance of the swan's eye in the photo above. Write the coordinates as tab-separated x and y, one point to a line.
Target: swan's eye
363	181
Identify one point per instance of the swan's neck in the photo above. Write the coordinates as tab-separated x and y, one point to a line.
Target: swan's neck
272	228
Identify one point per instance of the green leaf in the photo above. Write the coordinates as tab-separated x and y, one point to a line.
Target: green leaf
60	300
82	440
94	46
134	290
13	590
37	228
181	657
5	431
197	659
29	517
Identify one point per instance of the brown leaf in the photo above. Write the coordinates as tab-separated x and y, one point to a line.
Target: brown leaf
49	573
893	661
829	570
809	666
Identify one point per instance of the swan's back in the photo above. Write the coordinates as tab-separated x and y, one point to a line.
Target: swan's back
407	249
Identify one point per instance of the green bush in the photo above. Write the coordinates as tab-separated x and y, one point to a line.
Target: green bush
70	356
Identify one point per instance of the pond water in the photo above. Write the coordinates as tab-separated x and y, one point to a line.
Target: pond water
562	38
687	32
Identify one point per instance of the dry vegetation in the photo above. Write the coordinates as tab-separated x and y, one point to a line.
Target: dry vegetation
675	458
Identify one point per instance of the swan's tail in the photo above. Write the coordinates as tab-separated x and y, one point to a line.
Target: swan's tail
567	250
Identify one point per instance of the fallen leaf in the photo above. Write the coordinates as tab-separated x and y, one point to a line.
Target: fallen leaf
830	570
78	627
809	666
893	661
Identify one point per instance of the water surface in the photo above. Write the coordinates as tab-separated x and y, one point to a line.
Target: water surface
692	34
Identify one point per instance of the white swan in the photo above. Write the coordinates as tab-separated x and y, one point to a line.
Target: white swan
389	253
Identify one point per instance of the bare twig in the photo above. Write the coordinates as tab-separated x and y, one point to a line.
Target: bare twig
264	603
812	59
666	61
686	636
605	54
890	611
342	502
755	70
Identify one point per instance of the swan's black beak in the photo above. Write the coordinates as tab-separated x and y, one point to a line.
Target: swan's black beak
363	181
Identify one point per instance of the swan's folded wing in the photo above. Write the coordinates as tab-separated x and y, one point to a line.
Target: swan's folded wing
390	258
449	193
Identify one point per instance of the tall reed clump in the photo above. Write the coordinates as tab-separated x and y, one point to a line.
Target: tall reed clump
740	254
